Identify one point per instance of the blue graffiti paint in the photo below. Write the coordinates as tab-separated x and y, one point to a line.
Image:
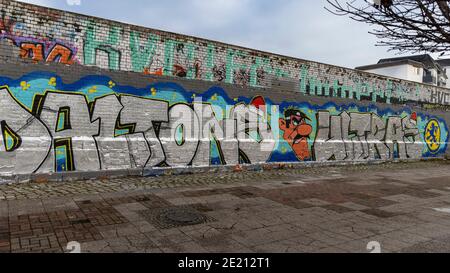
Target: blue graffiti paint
28	86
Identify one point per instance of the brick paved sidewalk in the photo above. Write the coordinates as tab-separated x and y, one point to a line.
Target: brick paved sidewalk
405	207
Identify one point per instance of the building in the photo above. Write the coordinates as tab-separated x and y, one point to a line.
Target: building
417	68
445	63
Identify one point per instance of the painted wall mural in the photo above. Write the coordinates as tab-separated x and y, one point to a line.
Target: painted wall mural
44	36
42	49
96	124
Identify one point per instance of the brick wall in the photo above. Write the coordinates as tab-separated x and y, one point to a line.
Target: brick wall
50	35
84	94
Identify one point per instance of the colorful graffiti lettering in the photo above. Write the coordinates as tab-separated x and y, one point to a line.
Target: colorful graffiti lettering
37	52
72	39
159	55
93	45
364	136
57	127
36	49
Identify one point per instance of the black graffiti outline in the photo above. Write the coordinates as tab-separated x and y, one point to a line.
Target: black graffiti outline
5	87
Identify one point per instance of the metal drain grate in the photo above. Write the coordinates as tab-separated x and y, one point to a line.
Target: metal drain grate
171	217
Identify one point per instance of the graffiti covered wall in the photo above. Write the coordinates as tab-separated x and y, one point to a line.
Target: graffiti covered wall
95	124
91	95
47	35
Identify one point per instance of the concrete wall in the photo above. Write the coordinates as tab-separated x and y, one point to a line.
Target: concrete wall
87	95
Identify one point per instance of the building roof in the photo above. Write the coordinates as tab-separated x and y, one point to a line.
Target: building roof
444	62
427	61
389	64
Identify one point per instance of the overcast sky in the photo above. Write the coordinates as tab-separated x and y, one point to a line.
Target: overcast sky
297	28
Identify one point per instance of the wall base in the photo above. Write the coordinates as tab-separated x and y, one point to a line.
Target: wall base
156	172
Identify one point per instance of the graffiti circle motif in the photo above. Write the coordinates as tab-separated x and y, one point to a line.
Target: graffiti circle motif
433	136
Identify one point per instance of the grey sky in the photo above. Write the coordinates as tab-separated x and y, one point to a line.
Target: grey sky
298	28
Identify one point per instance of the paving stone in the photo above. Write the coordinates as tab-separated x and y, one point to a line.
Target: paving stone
437	245
353	206
254	212
315	202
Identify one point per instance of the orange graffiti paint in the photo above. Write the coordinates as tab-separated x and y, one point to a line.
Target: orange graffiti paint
64	54
32	51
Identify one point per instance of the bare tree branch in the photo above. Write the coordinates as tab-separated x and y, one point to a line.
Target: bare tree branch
402	25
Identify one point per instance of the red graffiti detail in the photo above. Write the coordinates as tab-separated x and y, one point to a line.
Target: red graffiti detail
157	72
179	71
198	68
259	103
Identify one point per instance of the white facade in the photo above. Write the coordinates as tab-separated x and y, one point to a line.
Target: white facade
418	68
403	71
447	68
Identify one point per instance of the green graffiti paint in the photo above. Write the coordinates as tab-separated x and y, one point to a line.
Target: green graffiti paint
209	76
254	72
267	67
190	60
366	89
303	78
350	91
326	88
280	73
140	59
344	90
229	66
169	47
388	92
357	90
336	88
92	45
312	85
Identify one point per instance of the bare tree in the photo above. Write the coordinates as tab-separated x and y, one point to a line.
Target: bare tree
403	25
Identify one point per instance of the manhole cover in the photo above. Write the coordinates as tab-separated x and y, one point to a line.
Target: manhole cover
171	217
182	216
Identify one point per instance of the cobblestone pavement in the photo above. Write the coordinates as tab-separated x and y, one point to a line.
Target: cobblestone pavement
404	207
